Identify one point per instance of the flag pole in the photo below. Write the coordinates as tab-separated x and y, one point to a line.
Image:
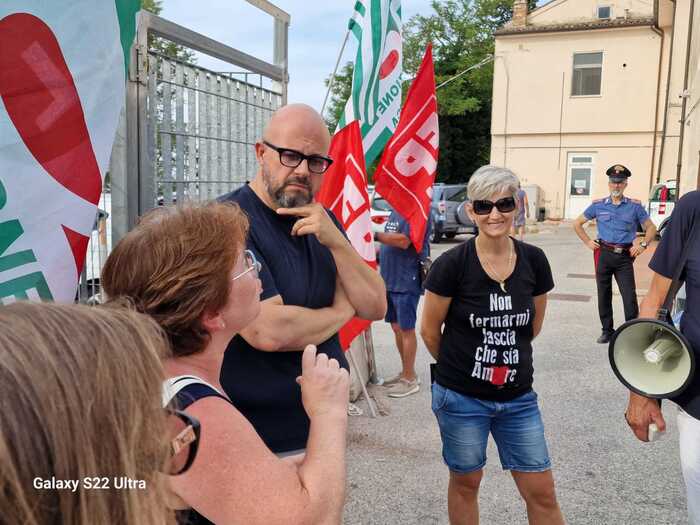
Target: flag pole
485	61
337	63
362	382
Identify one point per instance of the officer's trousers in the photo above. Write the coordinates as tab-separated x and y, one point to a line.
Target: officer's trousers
609	264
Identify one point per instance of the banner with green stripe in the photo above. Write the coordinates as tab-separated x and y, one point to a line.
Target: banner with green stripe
376	84
62	88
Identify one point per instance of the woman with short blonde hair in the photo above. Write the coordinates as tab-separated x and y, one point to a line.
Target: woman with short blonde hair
490	293
80	409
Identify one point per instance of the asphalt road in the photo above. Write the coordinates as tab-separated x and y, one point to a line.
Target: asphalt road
603	474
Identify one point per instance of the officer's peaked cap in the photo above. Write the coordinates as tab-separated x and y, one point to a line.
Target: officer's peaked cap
618	173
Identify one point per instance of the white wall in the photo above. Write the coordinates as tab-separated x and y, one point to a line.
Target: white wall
563	11
536	121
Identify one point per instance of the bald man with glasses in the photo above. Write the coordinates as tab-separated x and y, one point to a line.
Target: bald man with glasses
313	281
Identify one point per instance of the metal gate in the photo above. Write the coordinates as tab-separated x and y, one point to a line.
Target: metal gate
196	128
188	133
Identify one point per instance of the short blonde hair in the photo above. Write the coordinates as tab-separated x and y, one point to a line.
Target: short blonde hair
488	181
80	397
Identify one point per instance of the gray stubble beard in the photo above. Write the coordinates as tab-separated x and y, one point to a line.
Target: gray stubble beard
282	199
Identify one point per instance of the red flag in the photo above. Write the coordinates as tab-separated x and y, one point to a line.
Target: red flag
406	173
344	192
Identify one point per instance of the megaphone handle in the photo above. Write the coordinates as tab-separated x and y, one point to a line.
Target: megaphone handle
653	433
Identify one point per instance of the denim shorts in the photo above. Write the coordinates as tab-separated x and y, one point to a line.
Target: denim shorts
465	423
401	309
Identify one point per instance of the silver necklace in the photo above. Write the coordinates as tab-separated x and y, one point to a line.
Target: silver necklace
492	272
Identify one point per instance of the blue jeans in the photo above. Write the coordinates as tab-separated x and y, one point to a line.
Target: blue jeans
465	423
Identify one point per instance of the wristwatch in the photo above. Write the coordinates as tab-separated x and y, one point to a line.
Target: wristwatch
643	244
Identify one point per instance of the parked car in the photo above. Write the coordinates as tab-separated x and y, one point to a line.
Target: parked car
379	210
446	199
662	200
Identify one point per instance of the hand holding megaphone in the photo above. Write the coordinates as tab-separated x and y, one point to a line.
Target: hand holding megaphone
654	361
644	417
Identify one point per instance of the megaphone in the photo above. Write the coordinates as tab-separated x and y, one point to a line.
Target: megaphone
652	358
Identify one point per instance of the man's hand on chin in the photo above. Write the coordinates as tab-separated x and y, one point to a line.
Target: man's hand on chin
313	219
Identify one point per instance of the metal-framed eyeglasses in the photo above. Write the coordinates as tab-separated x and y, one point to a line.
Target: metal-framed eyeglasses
291	158
251	265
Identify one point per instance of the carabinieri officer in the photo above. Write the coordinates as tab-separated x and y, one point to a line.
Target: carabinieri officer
614	253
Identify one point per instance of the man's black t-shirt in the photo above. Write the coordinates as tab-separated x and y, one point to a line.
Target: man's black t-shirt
485	350
665	261
262	385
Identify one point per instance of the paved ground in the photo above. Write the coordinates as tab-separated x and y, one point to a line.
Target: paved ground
603	474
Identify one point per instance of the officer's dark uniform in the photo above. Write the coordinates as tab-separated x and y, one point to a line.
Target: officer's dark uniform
617	228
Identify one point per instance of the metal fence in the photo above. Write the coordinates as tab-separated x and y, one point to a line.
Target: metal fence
203	127
188	133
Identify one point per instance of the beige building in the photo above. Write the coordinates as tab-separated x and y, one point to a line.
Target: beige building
580	85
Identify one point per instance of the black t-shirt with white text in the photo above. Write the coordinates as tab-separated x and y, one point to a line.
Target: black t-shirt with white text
485	350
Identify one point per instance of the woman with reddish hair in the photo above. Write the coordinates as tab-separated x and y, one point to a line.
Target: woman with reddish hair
188	268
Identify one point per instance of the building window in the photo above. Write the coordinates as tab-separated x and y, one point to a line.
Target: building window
588	72
604	12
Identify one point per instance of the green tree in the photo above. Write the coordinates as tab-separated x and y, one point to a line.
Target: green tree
340	93
161	45
462	34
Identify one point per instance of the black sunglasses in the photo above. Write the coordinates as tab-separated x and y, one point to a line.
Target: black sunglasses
292	158
483	207
186	438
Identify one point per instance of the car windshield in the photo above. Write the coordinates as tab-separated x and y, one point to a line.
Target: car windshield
450	193
380	204
457	195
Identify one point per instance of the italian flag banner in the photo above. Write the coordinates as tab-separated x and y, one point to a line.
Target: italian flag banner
62	88
376	81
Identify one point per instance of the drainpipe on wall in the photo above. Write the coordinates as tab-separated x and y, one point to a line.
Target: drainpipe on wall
519	20
505	118
668	91
684	95
655	28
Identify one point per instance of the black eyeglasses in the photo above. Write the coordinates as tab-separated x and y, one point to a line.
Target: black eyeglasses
186	438
292	158
484	207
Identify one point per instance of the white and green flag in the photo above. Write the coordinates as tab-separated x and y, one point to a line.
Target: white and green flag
376	83
62	87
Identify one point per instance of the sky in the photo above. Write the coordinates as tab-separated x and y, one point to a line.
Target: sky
315	35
